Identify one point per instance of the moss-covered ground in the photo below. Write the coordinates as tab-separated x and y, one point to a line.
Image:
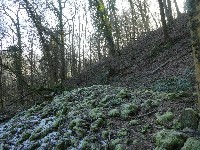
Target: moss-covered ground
96	117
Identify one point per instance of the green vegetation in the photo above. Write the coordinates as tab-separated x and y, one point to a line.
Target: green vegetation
191	144
169	140
97	117
172	84
165	118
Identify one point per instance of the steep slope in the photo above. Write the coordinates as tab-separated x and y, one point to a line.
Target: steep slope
145	61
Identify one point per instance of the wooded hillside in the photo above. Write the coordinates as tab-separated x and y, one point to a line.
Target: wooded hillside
99	74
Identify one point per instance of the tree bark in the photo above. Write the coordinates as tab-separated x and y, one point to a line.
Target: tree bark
170	20
177	9
194	17
62	46
1	93
164	25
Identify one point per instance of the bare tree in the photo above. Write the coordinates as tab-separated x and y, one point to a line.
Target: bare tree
164	25
16	50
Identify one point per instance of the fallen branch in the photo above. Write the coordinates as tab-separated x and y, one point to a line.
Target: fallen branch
22	97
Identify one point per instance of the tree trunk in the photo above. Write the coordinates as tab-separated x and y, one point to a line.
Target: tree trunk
194	16
170	20
62	47
133	20
164	25
177	9
73	65
1	93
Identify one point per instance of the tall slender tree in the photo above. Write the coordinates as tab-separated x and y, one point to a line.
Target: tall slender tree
100	17
164	24
194	16
1	87
17	50
62	44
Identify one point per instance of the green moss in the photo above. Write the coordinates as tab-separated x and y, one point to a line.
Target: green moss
123	94
145	128
95	113
116	141
189	118
34	146
191	144
35	136
106	100
25	136
105	134
80	132
97	124
169	139
60	145
177	124
119	147
85	144
148	104
78	126
122	132
114	113
76	122
128	109
165	118
38	135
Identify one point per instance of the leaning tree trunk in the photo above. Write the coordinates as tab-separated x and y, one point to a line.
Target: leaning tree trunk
194	16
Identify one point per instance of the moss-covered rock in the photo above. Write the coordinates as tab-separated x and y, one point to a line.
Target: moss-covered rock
169	139
119	147
128	109
122	132
191	144
149	104
105	134
165	118
95	113
114	113
123	94
97	124
189	119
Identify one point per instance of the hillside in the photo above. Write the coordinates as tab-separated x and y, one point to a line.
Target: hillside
143	99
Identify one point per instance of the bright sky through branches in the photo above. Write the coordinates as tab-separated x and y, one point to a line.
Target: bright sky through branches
121	4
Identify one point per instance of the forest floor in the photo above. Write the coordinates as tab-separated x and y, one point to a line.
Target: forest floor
120	103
